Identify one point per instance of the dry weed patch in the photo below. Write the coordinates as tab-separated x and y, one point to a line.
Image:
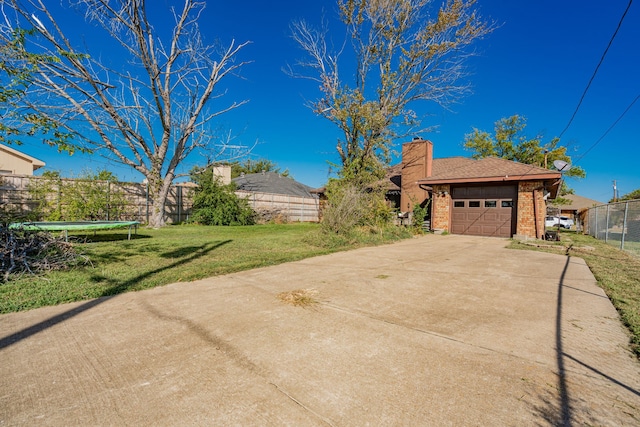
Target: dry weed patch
299	297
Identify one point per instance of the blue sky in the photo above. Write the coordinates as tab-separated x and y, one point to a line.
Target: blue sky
537	64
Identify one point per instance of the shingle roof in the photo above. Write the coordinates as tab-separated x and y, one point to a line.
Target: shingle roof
578	202
463	169
271	182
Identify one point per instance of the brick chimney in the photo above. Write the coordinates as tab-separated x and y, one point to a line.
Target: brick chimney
417	163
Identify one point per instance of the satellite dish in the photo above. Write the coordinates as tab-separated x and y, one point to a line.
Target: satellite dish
561	165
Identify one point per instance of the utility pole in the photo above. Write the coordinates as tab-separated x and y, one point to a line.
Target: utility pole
615	191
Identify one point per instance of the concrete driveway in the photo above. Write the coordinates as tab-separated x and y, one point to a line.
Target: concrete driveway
437	330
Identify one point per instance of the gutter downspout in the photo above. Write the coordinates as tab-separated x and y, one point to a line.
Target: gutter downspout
535	213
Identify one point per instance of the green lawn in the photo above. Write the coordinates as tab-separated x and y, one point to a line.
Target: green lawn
617	272
171	254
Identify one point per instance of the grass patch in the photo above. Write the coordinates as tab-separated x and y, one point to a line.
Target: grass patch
178	253
617	272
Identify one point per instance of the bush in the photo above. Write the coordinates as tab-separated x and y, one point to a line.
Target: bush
419	214
350	205
217	204
345	209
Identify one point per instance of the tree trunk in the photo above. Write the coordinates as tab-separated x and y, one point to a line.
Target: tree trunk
156	213
158	191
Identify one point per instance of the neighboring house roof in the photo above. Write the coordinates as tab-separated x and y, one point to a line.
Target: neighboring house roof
10	153
271	182
578	203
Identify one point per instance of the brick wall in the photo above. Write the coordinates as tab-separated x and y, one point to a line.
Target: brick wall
441	208
526	225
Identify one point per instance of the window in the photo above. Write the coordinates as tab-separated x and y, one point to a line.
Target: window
490	203
507	203
474	204
458	204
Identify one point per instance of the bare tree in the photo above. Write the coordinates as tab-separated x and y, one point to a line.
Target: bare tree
149	110
400	54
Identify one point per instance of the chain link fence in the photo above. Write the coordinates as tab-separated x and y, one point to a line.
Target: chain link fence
618	224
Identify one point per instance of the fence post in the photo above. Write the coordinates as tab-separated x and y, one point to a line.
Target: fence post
108	198
59	199
147	201
179	187
624	224
606	231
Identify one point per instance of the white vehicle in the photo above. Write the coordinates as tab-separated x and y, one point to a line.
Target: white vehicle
562	221
550	221
565	222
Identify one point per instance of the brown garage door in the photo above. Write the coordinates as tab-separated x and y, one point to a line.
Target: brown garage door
484	210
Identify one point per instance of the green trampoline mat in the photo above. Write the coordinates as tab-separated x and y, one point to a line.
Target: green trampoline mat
73	225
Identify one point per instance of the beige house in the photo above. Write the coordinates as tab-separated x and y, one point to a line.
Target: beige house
13	162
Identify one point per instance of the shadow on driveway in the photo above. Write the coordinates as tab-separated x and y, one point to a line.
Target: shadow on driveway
116	288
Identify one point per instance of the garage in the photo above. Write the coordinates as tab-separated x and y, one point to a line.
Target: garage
484	210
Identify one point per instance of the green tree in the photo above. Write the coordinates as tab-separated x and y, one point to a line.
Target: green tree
633	195
397	53
44	193
510	142
151	103
255	166
17	68
217	204
91	196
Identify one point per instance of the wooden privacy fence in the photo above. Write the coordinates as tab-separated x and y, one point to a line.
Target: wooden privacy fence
129	201
289	208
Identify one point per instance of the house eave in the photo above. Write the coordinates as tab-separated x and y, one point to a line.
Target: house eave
506	178
37	164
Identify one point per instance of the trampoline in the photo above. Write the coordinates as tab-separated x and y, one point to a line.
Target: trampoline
66	226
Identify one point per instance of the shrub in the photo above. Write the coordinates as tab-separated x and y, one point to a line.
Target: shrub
345	208
217	204
350	205
419	214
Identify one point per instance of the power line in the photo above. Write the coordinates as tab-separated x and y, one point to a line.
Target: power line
596	70
610	127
